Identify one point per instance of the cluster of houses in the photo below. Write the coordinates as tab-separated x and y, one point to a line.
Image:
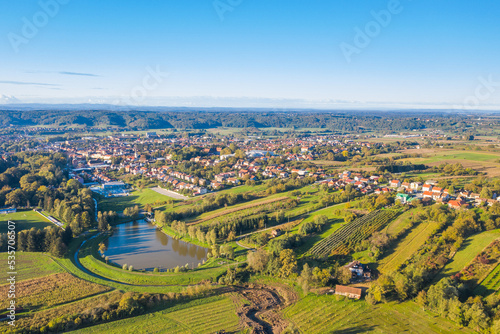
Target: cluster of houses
429	191
366	185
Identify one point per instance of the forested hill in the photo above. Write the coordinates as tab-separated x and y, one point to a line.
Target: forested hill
347	121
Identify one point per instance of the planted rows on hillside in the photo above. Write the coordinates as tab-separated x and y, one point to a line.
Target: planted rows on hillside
341	242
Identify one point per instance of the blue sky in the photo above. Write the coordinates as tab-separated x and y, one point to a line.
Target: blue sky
252	52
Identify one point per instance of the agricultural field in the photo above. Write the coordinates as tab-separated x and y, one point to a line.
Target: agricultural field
470	248
477	160
207	315
31	265
24	220
406	247
326	314
50	291
342	240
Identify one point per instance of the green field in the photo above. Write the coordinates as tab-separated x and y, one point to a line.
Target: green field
136	197
324	314
400	223
470	248
207	315
24	221
406	247
30	265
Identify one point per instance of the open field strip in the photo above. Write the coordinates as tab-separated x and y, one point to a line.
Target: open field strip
470	248
324	314
214	314
406	247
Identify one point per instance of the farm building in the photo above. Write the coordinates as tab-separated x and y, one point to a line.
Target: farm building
359	270
276	233
348	291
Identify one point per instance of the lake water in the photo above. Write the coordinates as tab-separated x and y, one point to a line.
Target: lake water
143	246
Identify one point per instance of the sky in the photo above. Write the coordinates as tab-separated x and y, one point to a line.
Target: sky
252	53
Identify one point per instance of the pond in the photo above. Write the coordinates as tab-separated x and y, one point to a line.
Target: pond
143	246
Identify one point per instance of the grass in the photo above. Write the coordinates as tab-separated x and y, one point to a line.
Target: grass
24	220
402	222
50	290
480	161
31	265
406	247
470	248
324	314
207	315
136	197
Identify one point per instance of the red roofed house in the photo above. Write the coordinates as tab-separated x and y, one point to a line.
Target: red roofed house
395	183
348	291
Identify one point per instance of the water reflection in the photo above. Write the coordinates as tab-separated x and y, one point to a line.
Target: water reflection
143	246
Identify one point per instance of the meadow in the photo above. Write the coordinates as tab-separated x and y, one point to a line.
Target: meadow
325	314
